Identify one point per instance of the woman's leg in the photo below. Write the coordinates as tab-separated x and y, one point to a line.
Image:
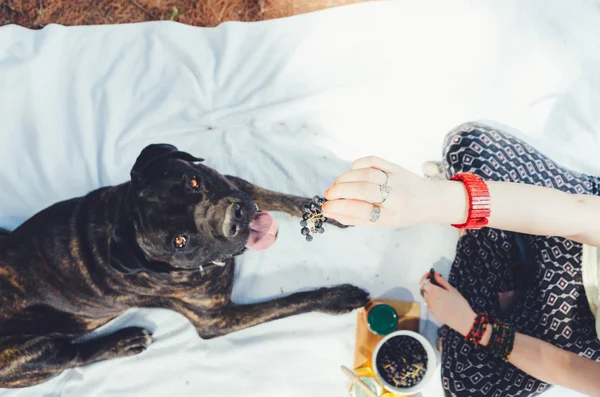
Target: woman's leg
490	261
483	267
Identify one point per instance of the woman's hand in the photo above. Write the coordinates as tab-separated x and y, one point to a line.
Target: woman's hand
538	358
447	304
353	194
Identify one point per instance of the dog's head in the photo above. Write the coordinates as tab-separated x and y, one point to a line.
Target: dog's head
186	216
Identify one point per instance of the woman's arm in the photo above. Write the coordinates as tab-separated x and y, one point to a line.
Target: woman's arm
515	207
533	356
523	208
555	366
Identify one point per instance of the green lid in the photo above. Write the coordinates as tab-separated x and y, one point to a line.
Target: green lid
382	319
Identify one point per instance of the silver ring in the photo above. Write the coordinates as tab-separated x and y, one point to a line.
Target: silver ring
375	213
387	177
385	192
422	290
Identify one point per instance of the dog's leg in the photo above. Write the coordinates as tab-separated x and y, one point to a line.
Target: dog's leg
231	317
268	200
26	360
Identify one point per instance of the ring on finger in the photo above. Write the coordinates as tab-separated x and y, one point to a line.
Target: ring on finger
387	177
375	214
385	192
425	283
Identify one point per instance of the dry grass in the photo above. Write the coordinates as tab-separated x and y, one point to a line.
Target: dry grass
38	13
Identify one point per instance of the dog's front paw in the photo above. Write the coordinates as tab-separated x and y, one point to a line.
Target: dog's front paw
127	342
343	299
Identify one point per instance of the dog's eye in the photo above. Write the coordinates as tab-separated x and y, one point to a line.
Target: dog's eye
193	183
180	241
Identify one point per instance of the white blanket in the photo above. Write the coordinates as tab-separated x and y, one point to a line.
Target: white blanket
287	104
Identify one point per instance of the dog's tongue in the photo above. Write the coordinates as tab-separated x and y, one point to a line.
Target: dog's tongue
263	231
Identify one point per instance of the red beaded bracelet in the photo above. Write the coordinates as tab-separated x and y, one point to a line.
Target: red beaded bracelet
479	201
478	328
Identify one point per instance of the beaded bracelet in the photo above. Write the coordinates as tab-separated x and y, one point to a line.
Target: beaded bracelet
478	328
496	340
502	340
474	331
479	201
481	331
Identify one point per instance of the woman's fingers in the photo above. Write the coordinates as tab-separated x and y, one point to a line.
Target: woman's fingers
345	220
374	162
363	191
427	286
442	282
424	285
371	175
356	209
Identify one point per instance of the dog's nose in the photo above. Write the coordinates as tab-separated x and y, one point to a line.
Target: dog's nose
235	217
237	212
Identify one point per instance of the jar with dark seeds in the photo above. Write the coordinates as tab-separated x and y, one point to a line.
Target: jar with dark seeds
402	361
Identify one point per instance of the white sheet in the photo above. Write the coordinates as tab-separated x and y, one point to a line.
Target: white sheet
286	104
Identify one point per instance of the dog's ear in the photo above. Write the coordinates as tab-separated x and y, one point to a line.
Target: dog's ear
154	152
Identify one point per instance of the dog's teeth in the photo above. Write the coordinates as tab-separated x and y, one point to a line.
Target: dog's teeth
219	263
201	268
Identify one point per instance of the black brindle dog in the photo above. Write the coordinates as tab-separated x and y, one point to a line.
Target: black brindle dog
166	239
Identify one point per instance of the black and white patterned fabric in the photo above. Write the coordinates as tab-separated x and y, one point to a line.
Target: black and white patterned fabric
547	270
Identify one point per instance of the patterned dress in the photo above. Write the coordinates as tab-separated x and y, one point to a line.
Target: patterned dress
547	270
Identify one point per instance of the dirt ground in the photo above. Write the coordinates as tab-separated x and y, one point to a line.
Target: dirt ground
36	14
